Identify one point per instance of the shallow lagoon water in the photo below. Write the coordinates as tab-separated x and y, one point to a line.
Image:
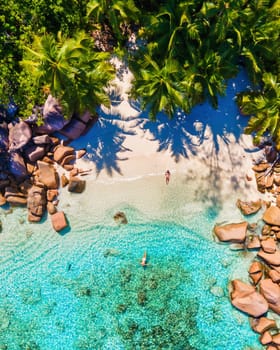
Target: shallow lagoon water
87	290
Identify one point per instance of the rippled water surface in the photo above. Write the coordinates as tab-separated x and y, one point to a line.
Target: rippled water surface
87	290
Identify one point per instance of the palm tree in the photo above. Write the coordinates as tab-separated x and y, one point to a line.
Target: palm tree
264	108
176	30
158	86
66	68
113	14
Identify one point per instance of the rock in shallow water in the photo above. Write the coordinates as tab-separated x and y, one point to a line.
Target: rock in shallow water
235	233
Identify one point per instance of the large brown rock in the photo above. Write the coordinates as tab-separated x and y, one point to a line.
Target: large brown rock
260	167
53	119
260	180
17	166
276	339
35	152
41	139
51	208
48	175
68	160
255	267
274	275
74	129
19	136
271	259
262	324
271	293
17	201
256	272
61	152
272	216
246	299
76	185
269	245
256	277
253	242
15	197
235	233
265	338
36	203
241	289
59	221
248	208
269	180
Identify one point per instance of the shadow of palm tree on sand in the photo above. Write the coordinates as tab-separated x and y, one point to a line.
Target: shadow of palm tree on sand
104	142
185	133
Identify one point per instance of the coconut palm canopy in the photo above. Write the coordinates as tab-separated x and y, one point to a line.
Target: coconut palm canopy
187	50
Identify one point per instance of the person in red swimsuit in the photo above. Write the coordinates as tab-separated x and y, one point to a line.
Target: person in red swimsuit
167	177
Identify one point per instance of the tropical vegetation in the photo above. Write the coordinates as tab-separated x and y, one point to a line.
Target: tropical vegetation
186	51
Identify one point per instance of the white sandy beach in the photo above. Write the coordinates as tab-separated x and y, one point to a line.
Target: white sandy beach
207	150
217	147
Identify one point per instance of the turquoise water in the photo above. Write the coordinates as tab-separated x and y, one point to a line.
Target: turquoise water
87	290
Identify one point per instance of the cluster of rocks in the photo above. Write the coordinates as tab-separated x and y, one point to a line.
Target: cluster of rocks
31	156
262	292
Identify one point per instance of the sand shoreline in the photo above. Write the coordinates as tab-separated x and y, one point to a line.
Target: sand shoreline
125	146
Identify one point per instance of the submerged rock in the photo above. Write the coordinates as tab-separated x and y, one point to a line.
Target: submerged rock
76	185
120	218
111	252
5	320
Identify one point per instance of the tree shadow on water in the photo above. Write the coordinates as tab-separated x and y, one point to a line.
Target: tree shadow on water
104	142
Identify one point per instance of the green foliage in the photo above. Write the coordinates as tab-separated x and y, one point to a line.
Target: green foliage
189	49
70	70
264	108
159	87
113	13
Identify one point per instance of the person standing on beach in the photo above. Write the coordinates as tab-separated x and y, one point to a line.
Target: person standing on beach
167	177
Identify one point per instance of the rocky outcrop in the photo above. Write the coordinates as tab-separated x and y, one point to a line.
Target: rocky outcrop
15	197
30	156
248	208
59	221
247	299
264	272
272	216
36	203
47	175
52	116
262	324
270	259
235	233
271	293
17	166
256	272
19	135
269	245
61	152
